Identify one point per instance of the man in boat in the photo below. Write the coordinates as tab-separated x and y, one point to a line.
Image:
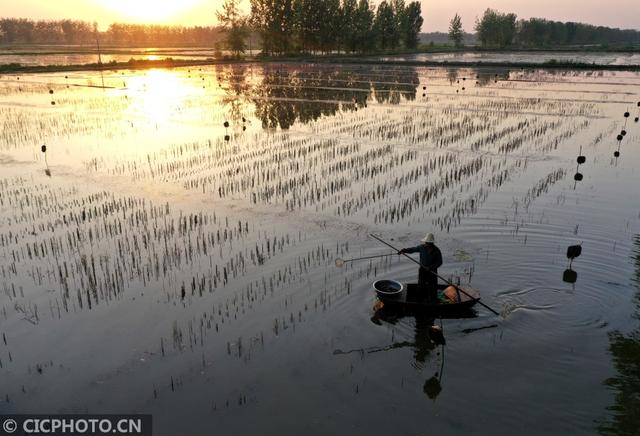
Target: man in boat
431	260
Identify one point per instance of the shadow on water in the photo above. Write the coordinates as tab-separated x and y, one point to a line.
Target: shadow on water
624	414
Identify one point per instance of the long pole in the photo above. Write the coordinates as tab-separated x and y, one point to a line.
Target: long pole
440	277
340	262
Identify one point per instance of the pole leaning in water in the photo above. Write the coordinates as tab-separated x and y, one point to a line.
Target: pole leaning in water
440	277
340	262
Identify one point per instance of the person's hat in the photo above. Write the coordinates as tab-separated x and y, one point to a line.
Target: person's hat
429	239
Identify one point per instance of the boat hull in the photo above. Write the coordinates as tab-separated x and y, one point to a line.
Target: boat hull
413	299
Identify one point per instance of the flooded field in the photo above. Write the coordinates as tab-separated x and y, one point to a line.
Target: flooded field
168	242
603	58
70	55
29	56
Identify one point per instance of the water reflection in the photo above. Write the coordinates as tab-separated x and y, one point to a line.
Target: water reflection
624	414
428	342
489	76
286	96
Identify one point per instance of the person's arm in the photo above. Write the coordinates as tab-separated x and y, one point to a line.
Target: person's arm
410	250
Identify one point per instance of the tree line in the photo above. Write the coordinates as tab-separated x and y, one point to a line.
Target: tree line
496	29
25	31
325	26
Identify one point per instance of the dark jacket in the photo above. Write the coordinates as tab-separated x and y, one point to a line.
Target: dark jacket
430	255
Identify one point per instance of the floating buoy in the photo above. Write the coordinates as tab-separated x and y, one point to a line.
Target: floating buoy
578	177
626	114
574	251
581	160
432	388
53	103
623	133
227	138
226	124
620	137
570	276
616	154
51	91
43	148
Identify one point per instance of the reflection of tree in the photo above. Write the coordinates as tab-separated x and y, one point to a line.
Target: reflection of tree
452	75
235	84
291	95
487	76
393	92
625	349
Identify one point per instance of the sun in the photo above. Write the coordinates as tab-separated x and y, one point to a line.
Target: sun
150	11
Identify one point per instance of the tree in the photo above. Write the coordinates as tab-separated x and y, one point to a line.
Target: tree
496	29
306	24
329	23
401	22
349	31
385	25
234	25
274	20
411	24
364	21
456	34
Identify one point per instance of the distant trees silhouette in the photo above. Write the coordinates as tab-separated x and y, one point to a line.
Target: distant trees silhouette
324	26
25	31
496	29
538	32
318	26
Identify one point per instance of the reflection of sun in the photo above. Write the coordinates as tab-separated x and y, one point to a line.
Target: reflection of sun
149	10
159	94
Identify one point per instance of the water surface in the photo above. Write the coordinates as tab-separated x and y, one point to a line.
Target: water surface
155	261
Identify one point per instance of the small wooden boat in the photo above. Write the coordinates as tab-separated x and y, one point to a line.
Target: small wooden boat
397	296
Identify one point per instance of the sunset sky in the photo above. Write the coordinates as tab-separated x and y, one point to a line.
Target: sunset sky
613	13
